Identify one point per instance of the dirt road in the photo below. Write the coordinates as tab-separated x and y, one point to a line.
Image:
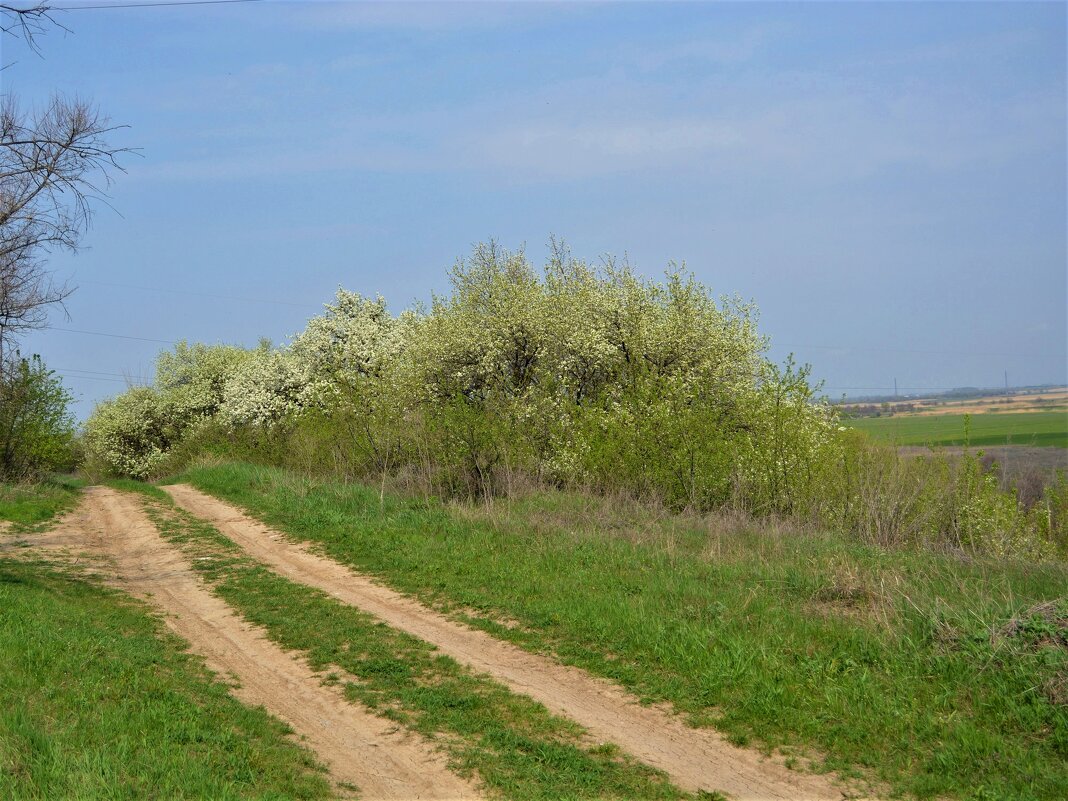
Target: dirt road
695	759
359	748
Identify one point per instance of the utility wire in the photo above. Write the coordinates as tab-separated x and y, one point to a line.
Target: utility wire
173	342
114	336
202	294
79	370
99	378
153	5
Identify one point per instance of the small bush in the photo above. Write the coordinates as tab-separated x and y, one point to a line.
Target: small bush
36	426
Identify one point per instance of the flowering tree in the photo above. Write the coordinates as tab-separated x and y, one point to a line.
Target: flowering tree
576	374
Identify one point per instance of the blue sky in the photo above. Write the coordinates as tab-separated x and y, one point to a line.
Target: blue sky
886	181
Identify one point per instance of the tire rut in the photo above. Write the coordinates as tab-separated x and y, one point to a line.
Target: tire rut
695	759
358	747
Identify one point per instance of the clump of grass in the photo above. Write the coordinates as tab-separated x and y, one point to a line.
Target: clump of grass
29	508
102	702
1044	624
896	678
1043	627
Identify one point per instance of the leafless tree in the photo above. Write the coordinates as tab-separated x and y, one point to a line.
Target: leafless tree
55	162
28	21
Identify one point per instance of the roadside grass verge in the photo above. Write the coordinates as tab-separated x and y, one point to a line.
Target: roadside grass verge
99	701
938	675
29	508
1022	428
515	746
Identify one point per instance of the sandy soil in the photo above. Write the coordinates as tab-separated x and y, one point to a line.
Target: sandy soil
359	748
695	759
66	541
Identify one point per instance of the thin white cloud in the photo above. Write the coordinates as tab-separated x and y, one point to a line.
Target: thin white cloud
836	136
826	126
735	49
828	137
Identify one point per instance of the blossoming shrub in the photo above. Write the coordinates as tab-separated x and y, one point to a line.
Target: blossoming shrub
132	433
572	375
194	377
596	376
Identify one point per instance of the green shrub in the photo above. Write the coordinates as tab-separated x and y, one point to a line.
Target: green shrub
946	502
36	426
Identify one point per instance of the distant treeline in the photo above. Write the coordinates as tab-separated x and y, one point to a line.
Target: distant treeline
960	393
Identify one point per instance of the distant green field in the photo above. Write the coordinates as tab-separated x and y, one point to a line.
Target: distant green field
1025	428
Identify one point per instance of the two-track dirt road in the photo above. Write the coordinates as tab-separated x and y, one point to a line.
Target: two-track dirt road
694	759
361	749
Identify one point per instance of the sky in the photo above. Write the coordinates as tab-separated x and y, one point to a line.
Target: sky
886	181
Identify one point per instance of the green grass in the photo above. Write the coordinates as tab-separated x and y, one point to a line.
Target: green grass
883	661
517	748
1024	428
30	507
98	701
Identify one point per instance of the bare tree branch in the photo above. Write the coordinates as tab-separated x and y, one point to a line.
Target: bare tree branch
54	164
28	21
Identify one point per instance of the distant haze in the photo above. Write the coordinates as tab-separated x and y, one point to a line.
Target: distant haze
887	182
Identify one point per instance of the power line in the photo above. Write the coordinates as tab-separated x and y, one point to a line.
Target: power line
780	346
153	5
91	372
889	390
204	294
200	294
114	336
98	378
